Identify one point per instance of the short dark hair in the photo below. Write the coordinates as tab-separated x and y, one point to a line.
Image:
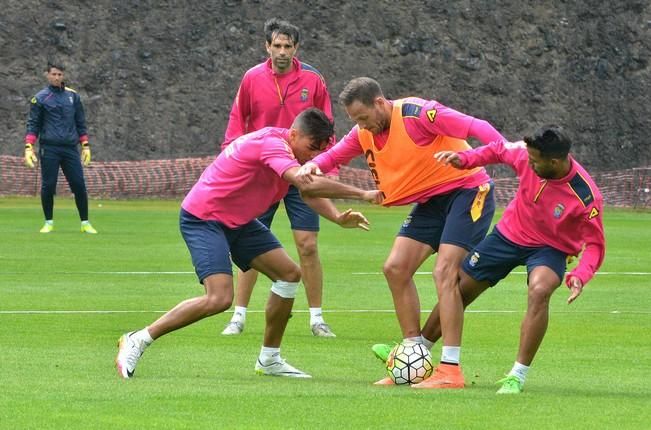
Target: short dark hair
54	64
364	90
551	141
274	26
314	123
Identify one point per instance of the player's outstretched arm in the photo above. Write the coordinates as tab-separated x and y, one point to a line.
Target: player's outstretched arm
346	219
323	187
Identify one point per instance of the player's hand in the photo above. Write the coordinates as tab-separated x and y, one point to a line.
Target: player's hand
448	157
85	153
305	172
374	196
30	157
576	287
350	219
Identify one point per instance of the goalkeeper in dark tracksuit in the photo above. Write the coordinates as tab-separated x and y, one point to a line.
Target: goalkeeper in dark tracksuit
57	120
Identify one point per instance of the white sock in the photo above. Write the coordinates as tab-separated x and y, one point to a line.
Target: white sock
269	355
519	371
415	339
450	354
49	221
427	343
239	315
316	316
143	335
86	222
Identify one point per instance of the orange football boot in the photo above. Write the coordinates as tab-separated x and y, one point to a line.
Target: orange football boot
385	381
444	376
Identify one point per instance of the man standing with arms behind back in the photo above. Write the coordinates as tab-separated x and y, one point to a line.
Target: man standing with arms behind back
57	120
272	94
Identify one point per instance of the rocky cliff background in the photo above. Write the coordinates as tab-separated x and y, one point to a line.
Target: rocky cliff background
158	77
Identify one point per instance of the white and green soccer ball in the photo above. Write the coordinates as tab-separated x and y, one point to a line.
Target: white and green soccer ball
409	363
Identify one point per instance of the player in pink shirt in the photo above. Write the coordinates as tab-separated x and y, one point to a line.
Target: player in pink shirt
271	94
218	223
556	213
452	209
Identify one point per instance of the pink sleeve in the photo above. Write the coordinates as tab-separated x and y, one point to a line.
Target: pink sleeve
493	153
239	115
438	119
484	132
277	155
344	151
592	230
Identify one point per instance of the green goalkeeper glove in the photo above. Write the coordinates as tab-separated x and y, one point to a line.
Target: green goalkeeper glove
30	157
85	153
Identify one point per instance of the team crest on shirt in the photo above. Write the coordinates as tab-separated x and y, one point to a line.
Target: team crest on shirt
70	98
474	259
558	210
304	94
406	222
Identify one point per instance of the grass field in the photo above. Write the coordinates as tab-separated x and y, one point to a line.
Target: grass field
65	298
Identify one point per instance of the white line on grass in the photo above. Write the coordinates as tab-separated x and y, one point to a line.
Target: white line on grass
523	273
330	311
354	273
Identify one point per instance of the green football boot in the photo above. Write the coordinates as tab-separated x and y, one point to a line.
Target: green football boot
510	385
47	227
382	351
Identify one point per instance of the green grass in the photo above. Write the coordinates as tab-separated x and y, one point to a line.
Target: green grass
57	367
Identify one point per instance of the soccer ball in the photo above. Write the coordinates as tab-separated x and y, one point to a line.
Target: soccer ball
409	363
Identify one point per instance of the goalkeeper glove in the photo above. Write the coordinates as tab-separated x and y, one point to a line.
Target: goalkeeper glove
30	157
85	153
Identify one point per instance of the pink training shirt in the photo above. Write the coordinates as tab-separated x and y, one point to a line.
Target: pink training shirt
424	121
562	213
267	99
244	180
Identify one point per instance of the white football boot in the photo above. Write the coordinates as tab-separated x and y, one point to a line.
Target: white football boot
129	352
279	368
233	328
322	330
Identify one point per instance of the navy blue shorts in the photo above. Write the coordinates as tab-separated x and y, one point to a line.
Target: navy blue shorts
212	244
447	219
496	256
301	216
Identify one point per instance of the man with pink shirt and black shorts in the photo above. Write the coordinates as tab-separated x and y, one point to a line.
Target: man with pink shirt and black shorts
452	209
219	223
556	213
271	94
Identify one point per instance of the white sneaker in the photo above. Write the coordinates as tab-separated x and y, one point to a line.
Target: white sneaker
129	352
322	330
233	328
279	368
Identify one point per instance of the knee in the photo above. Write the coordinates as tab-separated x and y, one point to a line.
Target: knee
307	247
539	294
394	270
215	304
446	272
78	186
292	275
48	187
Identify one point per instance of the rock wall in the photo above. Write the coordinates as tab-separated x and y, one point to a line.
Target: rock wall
158	77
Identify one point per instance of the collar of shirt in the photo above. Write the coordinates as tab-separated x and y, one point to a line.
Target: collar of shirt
569	176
